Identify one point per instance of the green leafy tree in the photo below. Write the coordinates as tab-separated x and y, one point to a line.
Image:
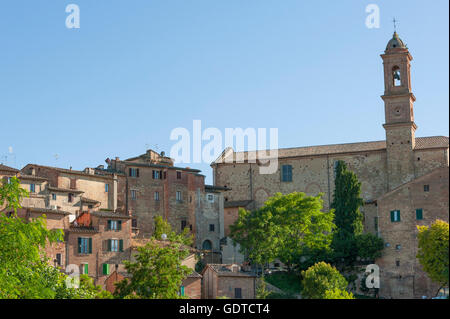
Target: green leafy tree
348	218
287	227
257	234
25	271
433	251
369	246
156	274
338	294
163	227
319	279
261	290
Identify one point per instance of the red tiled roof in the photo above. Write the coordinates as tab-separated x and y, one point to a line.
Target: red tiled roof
421	143
8	169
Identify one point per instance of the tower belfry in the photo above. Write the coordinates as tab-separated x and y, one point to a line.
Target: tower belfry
399	112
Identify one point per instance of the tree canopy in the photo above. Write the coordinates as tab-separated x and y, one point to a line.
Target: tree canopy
433	251
287	227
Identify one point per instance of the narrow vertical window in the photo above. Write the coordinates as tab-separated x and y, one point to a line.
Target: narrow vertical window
286	173
178	196
32	188
419	214
106	188
396	77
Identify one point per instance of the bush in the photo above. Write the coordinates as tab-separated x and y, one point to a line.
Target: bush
320	278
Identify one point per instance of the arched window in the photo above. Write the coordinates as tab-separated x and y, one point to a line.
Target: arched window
397	81
207	245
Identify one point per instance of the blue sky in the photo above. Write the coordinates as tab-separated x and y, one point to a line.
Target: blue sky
137	69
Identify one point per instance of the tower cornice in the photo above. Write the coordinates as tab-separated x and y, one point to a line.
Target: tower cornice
392	96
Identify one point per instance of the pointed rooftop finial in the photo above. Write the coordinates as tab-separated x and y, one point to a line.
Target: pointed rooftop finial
395	25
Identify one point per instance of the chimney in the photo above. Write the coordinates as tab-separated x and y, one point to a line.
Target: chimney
33	171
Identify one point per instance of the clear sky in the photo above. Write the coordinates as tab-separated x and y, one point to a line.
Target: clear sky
137	69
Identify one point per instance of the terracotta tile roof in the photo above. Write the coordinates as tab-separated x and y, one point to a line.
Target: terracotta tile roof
88	200
8	169
421	143
64	190
223	270
82	229
46	210
21	176
237	203
72	171
109	214
194	274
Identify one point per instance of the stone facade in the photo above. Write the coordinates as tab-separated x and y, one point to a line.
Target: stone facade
220	280
419	202
381	166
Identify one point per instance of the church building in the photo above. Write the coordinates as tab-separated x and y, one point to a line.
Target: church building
404	179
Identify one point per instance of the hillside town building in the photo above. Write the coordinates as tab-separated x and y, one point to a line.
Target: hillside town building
394	174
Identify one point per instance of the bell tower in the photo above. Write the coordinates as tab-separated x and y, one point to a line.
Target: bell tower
399	113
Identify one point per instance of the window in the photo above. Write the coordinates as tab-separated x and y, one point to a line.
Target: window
156	196
84	245
210	198
426	188
419	214
70	197
84	269
178	175
182	291
395	216
398	247
73	183
90	206
207	245
396	78
156	174
105	269
375	223
178	196
106	188
115	245
115	225
133	172
183	224
286	173
134	223
397	263
32	188
53	196
58	259
133	194
211	227
238	293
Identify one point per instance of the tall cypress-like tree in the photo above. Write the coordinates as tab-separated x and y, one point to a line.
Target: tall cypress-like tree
348	218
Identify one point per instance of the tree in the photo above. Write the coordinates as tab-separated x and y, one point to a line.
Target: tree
369	246
156	274
287	227
25	271
319	279
433	251
348	218
338	294
256	232
261	290
163	227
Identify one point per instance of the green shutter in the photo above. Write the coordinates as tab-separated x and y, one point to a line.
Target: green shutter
90	245
119	225
121	245
86	269
398	215
79	245
419	214
182	291
105	269
109	244
392	216
109	225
